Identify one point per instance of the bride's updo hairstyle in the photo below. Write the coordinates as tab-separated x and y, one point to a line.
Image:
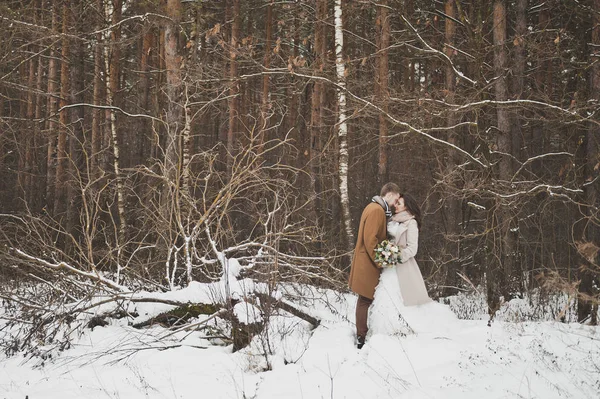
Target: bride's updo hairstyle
412	207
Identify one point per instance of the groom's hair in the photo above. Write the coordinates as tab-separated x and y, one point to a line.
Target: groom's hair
389	188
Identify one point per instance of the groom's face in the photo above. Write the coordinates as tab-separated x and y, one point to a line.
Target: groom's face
392	199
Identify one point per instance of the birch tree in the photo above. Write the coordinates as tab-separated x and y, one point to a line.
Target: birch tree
342	125
112	64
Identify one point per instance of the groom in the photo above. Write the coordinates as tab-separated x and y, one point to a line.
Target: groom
364	273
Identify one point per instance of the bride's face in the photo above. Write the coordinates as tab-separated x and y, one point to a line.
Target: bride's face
400	207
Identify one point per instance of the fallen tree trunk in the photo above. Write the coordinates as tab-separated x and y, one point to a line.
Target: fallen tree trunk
288	308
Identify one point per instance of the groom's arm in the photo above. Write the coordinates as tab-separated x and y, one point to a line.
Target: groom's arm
372	232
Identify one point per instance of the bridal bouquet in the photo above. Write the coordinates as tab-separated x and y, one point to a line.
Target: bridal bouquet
387	254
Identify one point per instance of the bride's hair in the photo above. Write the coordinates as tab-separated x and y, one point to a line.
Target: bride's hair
412	207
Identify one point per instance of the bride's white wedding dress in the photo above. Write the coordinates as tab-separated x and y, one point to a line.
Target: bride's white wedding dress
385	314
401	295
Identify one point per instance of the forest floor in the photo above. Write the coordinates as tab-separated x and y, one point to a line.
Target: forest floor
446	357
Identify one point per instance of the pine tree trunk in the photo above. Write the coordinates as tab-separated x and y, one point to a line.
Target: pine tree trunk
585	308
453	211
234	84
520	57
60	197
40	162
97	113
158	138
293	98
173	89
382	26
504	142
264	106
316	122
144	100
51	126
544	67
29	135
77	88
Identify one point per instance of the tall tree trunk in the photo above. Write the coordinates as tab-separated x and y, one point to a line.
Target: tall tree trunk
586	309
452	210
544	67
51	127
29	134
60	198
144	100
264	106
520	57
293	110
316	122
173	88
40	162
76	142
410	71
112	65
157	145
97	113
342	125
504	142
382	26
234	88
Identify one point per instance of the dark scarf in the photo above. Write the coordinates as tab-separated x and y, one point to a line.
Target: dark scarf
384	205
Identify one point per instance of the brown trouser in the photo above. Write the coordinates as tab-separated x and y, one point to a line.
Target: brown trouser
362	312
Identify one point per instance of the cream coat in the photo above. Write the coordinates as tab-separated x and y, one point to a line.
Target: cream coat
364	272
406	236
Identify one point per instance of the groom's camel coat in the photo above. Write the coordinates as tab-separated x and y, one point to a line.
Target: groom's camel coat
364	273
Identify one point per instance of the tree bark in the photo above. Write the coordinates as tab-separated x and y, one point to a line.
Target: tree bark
342	125
173	89
97	113
39	186
382	26
586	309
51	126
504	143
112	64
60	198
293	110
27	173
234	84
144	100
264	106
453	211
316	122
76	142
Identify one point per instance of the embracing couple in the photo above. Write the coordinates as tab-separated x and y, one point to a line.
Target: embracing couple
395	216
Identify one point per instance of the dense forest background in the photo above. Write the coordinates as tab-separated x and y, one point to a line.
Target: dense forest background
144	142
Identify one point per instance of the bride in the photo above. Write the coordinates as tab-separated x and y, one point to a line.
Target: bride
401	285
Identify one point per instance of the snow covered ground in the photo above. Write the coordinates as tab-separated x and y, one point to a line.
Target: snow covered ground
446	358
